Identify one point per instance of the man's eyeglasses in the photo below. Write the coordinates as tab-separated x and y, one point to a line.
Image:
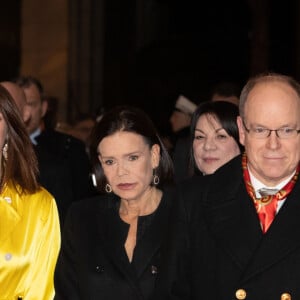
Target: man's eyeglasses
262	133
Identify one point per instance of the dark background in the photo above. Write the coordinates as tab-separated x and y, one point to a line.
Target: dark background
155	50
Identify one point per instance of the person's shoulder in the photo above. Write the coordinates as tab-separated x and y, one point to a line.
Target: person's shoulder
224	174
40	203
41	197
226	180
98	203
69	138
228	171
195	182
61	138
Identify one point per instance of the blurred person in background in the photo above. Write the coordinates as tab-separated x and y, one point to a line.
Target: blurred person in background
50	118
82	127
226	91
180	123
19	97
63	162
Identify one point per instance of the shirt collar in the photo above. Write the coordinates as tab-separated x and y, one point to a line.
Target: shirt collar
258	184
34	134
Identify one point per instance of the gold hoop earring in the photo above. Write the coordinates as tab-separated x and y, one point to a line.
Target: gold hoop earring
5	152
108	188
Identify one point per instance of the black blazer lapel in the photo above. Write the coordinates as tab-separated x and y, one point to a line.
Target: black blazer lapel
235	225
111	241
152	239
231	215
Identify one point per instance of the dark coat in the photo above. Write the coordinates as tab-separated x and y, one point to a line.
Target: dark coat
218	251
181	155
64	168
93	263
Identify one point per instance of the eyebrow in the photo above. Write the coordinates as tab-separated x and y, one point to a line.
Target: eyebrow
219	129
124	155
282	126
216	130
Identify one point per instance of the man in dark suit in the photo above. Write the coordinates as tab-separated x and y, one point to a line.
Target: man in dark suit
236	233
63	162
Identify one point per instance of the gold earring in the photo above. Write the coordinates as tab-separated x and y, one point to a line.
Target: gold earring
5	151
108	188
155	179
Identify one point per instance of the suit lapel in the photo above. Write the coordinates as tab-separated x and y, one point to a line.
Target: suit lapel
231	215
281	239
233	221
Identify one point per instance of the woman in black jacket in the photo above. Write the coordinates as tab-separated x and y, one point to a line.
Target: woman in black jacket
111	244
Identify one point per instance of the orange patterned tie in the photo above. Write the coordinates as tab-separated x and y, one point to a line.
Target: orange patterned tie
267	210
266	206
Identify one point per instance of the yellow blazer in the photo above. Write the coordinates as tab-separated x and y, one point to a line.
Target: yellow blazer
29	244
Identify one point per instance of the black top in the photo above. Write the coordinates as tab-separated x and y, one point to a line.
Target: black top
93	263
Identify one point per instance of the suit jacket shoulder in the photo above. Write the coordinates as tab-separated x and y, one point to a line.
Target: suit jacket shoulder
58	142
225	181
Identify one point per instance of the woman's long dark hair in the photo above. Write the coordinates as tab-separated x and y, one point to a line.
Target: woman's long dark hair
20	167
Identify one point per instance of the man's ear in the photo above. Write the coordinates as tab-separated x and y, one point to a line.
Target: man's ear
241	130
44	107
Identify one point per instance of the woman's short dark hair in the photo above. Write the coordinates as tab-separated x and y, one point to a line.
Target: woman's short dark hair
129	119
225	113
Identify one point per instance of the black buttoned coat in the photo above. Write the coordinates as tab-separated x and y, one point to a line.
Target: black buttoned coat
93	263
217	250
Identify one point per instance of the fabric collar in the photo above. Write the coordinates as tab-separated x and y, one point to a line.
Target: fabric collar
257	184
35	134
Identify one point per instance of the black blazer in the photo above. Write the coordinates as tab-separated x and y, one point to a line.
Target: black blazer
93	263
217	249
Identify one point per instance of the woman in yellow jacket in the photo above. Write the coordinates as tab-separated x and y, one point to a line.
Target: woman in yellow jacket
29	223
